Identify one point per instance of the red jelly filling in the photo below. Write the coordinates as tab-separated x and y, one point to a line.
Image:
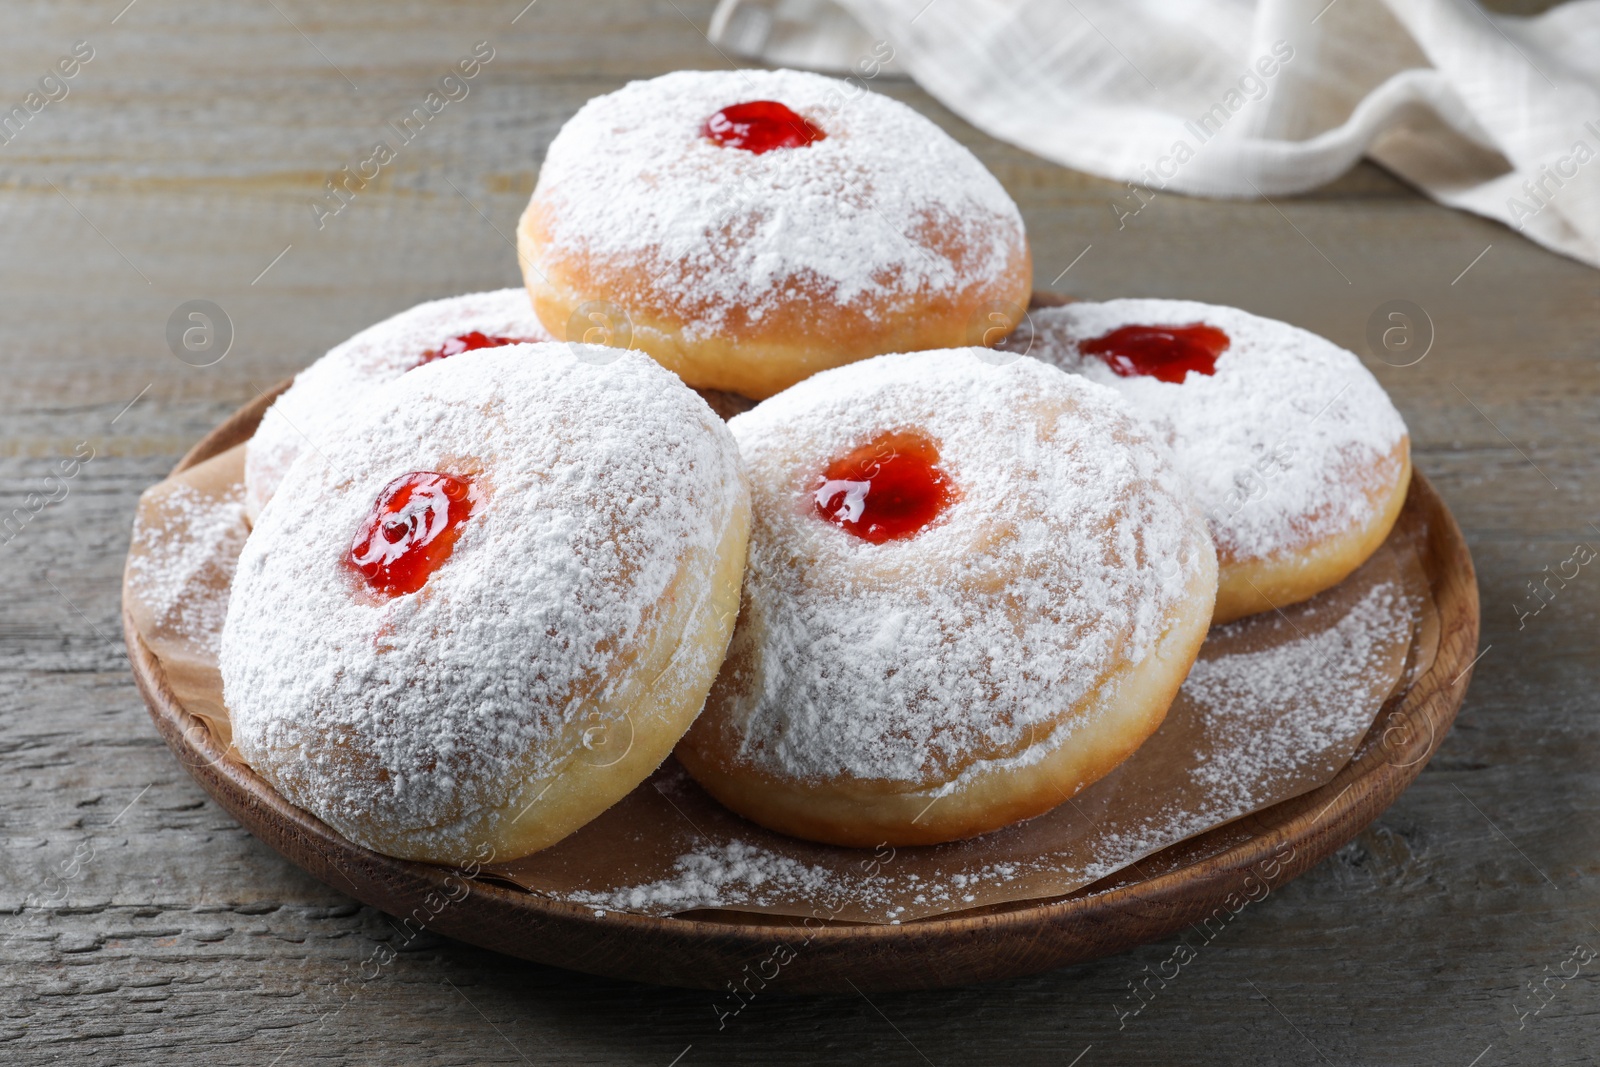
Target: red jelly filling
466	343
760	126
887	490
410	530
1165	353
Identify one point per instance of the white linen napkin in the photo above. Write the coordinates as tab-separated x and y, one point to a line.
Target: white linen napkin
1492	114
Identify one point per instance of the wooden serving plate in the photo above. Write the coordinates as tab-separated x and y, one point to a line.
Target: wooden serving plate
1164	893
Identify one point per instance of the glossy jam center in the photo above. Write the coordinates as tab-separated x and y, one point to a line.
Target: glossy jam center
410	530
1165	353
466	343
887	490
760	126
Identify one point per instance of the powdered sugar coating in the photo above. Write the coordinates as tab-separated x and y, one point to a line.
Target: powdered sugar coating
886	204
600	473
322	395
1067	552
1283	444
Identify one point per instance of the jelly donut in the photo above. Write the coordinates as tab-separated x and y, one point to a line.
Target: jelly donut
750	228
323	393
491	601
973	589
1292	447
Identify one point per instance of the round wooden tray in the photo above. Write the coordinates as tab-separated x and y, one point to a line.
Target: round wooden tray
1162	894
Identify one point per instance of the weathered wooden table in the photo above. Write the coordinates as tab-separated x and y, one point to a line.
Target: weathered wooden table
142	925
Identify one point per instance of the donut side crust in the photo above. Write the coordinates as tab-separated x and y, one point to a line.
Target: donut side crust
1107	727
760	356
1257	584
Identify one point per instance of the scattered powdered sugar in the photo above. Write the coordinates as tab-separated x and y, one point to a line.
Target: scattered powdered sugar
1283	444
320	399
1310	688
740	874
735	872
886	206
601	476
182	560
1065	553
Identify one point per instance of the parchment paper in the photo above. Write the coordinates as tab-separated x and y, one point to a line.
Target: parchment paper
1275	706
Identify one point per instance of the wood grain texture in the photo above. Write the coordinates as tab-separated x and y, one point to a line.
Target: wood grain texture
191	145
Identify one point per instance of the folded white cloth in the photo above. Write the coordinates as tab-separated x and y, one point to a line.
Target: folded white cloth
1241	98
